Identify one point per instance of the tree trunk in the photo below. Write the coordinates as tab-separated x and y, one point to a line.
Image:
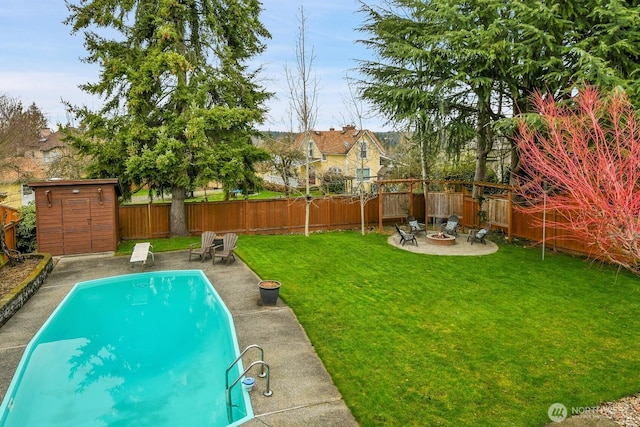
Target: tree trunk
307	205
424	174
307	214
485	141
177	217
362	202
480	174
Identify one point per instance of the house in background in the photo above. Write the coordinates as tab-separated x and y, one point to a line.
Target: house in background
13	180
48	148
30	162
352	155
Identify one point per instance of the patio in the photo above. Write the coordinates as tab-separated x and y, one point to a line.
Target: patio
460	248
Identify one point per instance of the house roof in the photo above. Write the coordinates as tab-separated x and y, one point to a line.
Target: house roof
338	141
48	140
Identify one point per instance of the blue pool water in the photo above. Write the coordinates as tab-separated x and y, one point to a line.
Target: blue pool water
147	349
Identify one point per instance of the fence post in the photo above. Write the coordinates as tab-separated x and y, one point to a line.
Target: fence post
149	222
380	208
411	197
246	214
426	202
288	214
510	214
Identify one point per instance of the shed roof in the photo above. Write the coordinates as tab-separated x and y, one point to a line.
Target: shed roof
77	182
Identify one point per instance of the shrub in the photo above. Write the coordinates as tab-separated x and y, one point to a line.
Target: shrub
26	234
334	182
581	162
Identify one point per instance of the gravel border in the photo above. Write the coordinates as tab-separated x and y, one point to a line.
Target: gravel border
625	412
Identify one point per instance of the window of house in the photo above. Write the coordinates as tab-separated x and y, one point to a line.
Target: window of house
50	156
311	149
363	174
324	157
363	150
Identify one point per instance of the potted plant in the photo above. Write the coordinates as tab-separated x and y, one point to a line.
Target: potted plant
269	291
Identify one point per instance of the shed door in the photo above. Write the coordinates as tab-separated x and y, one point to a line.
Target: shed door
76	226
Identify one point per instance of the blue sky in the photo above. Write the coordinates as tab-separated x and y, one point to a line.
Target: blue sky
40	59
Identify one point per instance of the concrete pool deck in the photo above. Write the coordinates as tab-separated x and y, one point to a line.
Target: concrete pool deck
303	392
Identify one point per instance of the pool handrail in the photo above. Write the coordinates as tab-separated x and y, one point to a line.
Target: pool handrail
268	392
261	375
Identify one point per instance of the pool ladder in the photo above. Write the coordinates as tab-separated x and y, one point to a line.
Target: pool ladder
263	373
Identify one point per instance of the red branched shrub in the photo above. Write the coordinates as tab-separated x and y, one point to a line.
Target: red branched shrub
586	159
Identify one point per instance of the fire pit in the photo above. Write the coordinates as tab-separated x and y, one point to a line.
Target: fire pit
441	239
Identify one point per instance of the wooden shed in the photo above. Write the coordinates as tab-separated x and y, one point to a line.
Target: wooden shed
77	217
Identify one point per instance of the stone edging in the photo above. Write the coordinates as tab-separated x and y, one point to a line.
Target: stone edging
12	302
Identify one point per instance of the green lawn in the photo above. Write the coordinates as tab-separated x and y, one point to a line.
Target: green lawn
411	339
159	245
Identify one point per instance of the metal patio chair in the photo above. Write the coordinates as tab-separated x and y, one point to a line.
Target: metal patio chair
480	235
416	227
406	237
451	226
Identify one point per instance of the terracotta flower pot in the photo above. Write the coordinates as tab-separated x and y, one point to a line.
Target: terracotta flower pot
269	291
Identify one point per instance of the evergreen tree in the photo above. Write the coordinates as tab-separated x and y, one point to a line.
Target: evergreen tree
436	70
461	70
180	101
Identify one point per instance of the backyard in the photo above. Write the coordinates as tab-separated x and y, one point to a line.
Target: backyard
412	339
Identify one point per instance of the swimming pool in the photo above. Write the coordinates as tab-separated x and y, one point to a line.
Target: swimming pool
148	349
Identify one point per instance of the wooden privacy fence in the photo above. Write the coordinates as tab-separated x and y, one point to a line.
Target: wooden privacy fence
282	215
278	216
441	205
10	229
395	206
10	236
497	207
271	216
531	227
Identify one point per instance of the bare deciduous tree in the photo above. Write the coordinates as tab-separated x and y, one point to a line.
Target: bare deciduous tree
303	91
19	127
356	110
285	156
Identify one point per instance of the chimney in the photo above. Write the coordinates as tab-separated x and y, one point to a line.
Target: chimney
348	128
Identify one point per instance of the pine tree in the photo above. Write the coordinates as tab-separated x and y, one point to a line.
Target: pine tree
459	71
180	100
